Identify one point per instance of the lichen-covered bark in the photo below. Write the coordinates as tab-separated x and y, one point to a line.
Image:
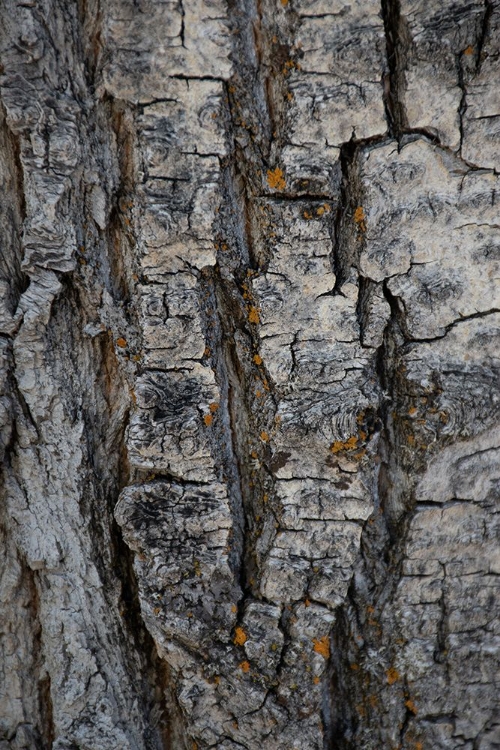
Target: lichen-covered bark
249	329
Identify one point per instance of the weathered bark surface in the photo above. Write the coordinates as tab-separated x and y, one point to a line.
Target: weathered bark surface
250	331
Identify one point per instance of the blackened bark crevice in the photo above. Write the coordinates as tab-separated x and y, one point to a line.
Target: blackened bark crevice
398	45
489	7
360	659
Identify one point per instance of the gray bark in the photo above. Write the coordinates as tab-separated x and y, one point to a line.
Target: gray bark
250	325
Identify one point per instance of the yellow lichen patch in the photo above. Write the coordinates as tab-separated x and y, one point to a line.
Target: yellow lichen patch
347	445
208	419
412	411
360	218
354	667
244	666
307	215
257	359
213	407
322	646
307	603
264	436
234	608
419	746
392	675
316	680
122	343
469	50
275	179
240	637
253	315
197	568
410	705
320	211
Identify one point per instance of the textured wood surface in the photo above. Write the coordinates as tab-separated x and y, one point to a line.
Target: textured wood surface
249	393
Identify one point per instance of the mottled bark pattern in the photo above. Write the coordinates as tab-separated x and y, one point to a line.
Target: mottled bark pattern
249	324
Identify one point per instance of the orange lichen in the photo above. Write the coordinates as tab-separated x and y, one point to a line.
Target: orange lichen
469	50
410	705
208	419
284	2
245	666
322	646
257	359
234	608
412	411
307	215
360	218
347	445
361	710
122	343
316	680
275	179
253	315
392	675
307	603
213	407
240	637
264	436
354	667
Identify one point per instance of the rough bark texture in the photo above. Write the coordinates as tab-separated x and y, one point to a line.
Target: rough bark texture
250	336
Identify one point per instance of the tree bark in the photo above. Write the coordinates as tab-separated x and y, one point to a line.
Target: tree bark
249	324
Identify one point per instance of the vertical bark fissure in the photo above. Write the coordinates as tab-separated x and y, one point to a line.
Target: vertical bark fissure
398	46
356	635
238	262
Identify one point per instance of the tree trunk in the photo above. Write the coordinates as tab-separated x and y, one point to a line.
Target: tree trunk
250	325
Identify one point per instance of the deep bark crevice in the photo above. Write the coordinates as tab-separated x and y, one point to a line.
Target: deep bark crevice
398	43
